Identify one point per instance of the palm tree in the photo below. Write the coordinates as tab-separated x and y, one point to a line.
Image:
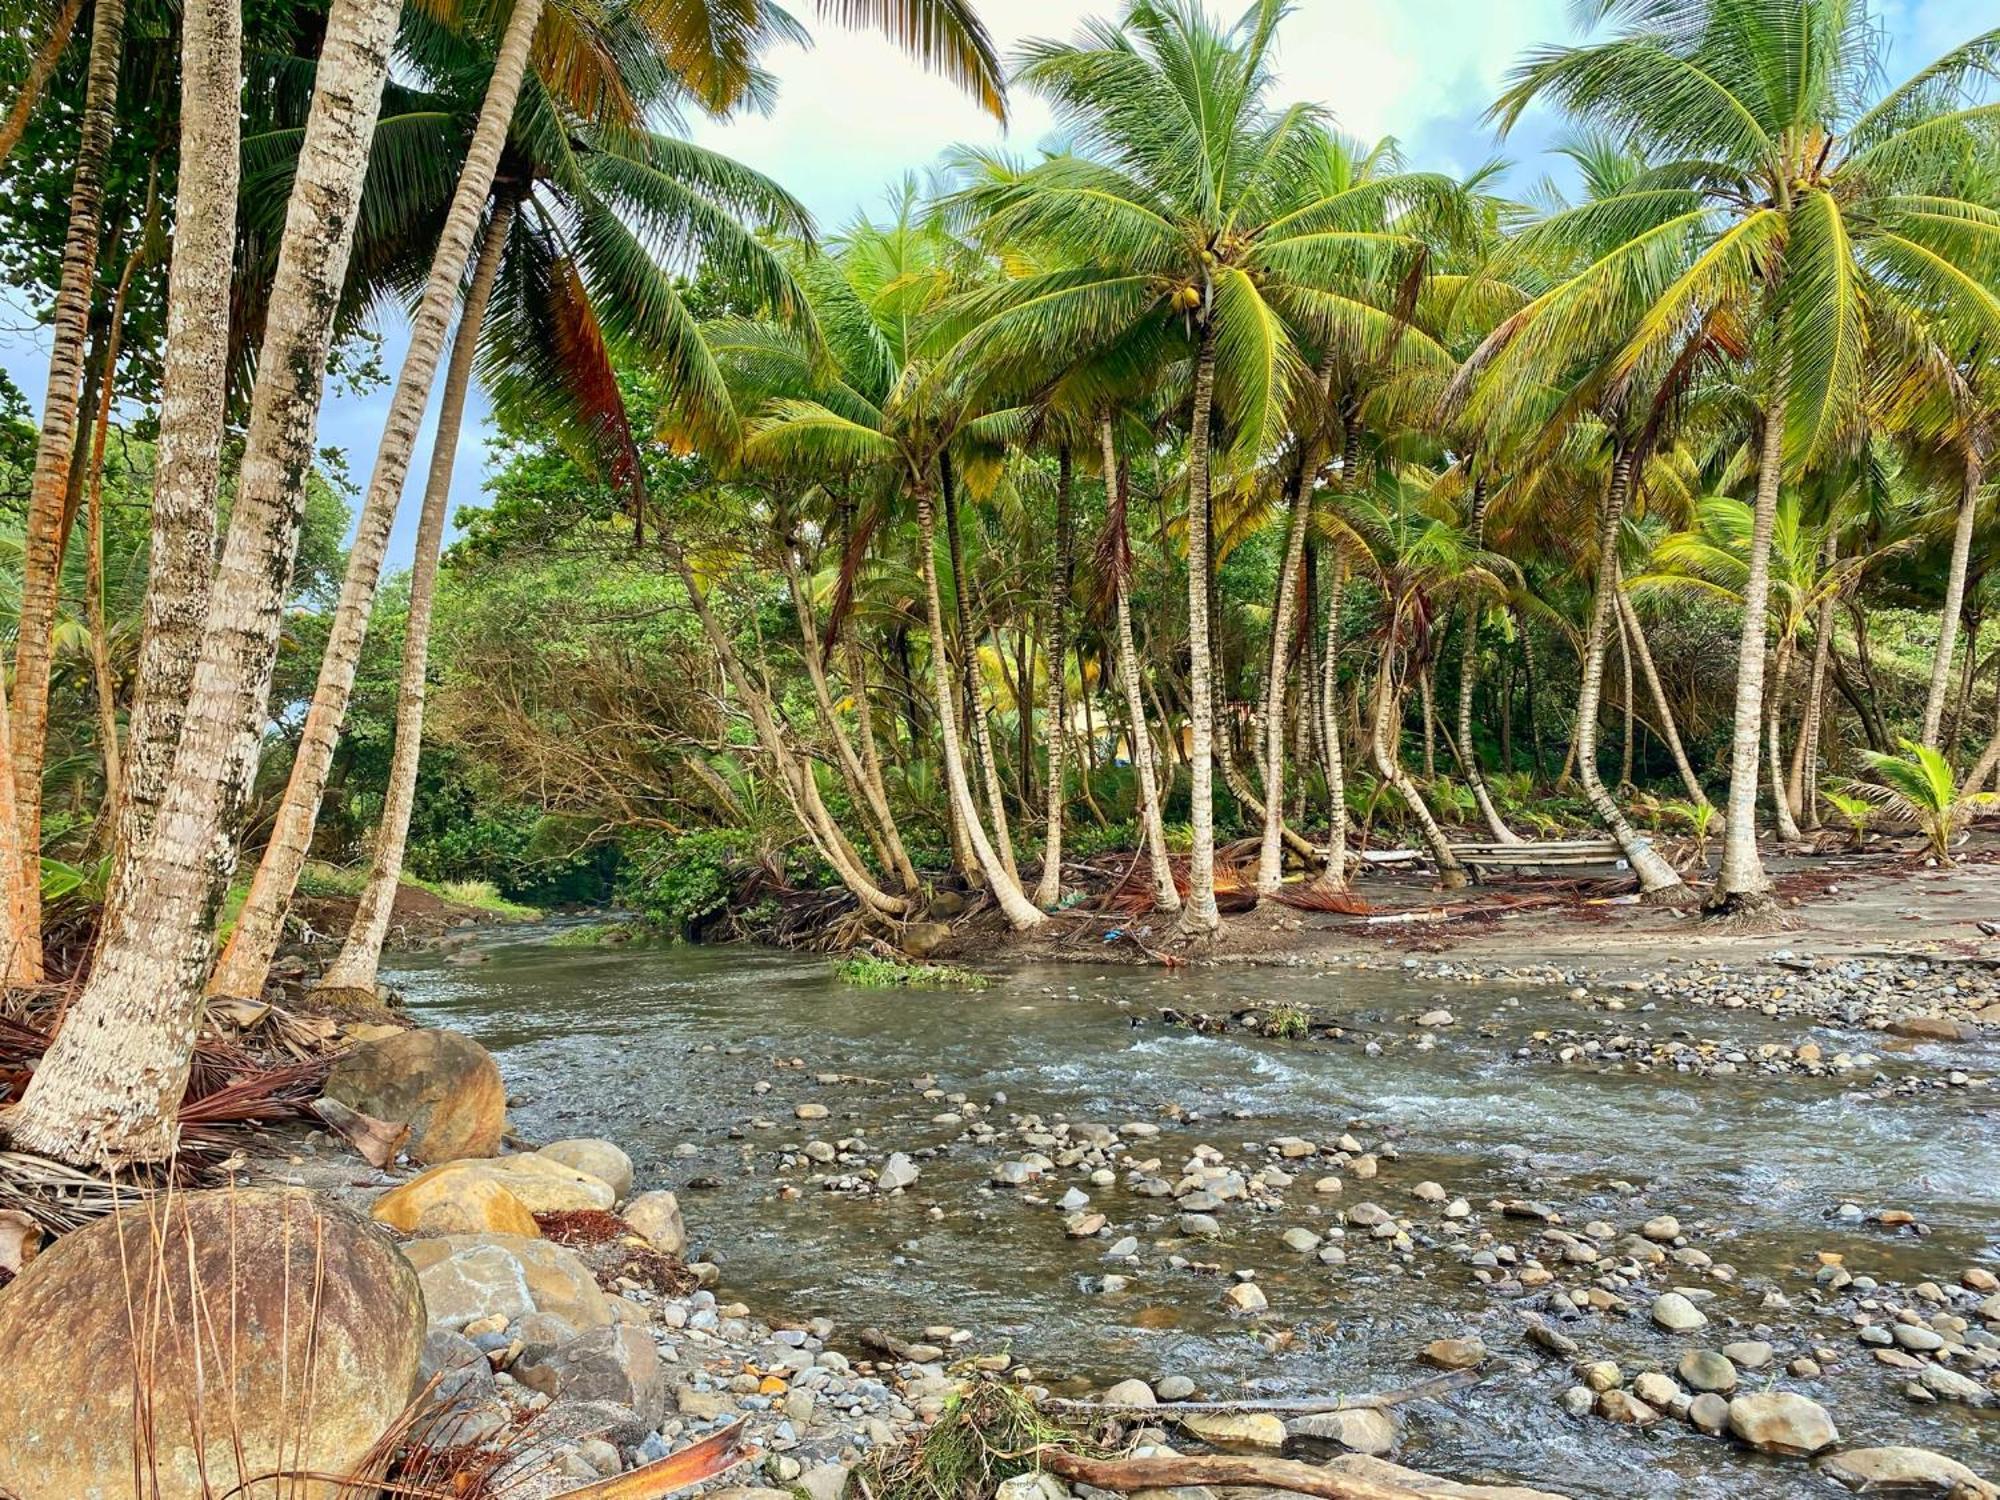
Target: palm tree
1787	198
108	1087
1919	785
1180	210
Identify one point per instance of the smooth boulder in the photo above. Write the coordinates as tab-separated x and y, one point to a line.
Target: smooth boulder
443	1085
314	1329
595	1158
1394	1478
1781	1422
1909	1471
446	1200
656	1218
467	1277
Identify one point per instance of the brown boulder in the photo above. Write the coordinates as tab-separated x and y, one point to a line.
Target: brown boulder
471	1276
444	1086
310	1328
454	1199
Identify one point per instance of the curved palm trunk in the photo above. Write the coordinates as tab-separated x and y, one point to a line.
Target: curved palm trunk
1334	876
188	458
1451	874
1635	634
41	68
1055	729
1628	716
48	497
985	764
1199	915
1658	881
1774	709
107	1089
1805	754
1740	883
1020	912
261	922
1166	895
361	954
1271	855
1954	593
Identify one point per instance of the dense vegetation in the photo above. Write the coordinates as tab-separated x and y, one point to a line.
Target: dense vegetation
1209	474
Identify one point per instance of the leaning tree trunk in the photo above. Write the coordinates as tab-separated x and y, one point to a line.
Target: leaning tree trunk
1658	881
354	968
1199	915
1166	895
1804	789
1020	912
1954	592
1635	634
1048	892
1741	884
247	959
107	1090
1271	855
985	764
55	452
1774	710
1468	666
1334	876
187	460
1388	764
41	68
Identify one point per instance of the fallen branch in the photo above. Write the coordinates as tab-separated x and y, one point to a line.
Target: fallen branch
1128	1474
677	1471
1423	1390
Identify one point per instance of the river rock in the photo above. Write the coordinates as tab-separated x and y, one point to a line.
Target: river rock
1393	1478
1626	1409
594	1158
312	1387
1782	1422
1933	1029
1245	1298
1663	1230
1361	1430
897	1172
1173	1388
1705	1370
1243	1430
1455	1354
923	939
442	1084
1748	1354
470	1276
1709	1413
1677	1314
656	1218
454	1199
1130	1393
1870	1471
1949	1385
615	1363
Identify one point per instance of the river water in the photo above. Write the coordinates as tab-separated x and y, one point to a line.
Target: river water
664	1049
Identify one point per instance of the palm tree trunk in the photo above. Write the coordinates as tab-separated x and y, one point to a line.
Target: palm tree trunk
41	68
1806	754
1954	592
1528	694
1334	876
1199	916
1451	874
1166	895
46	531
361	954
1635	634
985	765
1658	882
1468	668
1740	883
188	457
1056	727
248	957
1774	711
1271	855
1628	737
1020	912
107	1089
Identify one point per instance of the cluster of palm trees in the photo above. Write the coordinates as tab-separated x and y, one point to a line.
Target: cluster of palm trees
1751	356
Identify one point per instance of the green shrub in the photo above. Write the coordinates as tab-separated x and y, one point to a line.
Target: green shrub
682	881
872	972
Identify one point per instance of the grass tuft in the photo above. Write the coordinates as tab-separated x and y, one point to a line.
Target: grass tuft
872	972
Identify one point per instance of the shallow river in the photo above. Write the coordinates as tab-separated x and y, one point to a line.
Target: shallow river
660	1048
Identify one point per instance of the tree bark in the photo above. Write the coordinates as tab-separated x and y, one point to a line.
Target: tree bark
1658	881
1741	884
1048	892
985	765
1334	876
1166	895
107	1089
1451	874
1020	912
1805	755
1468	667
361	954
47	531
1774	709
41	68
1954	592
247	959
1271	854
1199	916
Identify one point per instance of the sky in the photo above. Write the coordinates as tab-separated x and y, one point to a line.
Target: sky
854	115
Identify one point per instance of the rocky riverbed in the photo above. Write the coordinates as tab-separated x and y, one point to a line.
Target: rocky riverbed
1056	1182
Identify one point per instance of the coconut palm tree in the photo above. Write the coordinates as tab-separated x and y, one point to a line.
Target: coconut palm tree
1180	208
1786	192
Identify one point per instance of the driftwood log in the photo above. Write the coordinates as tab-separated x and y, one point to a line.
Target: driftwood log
1128	1474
